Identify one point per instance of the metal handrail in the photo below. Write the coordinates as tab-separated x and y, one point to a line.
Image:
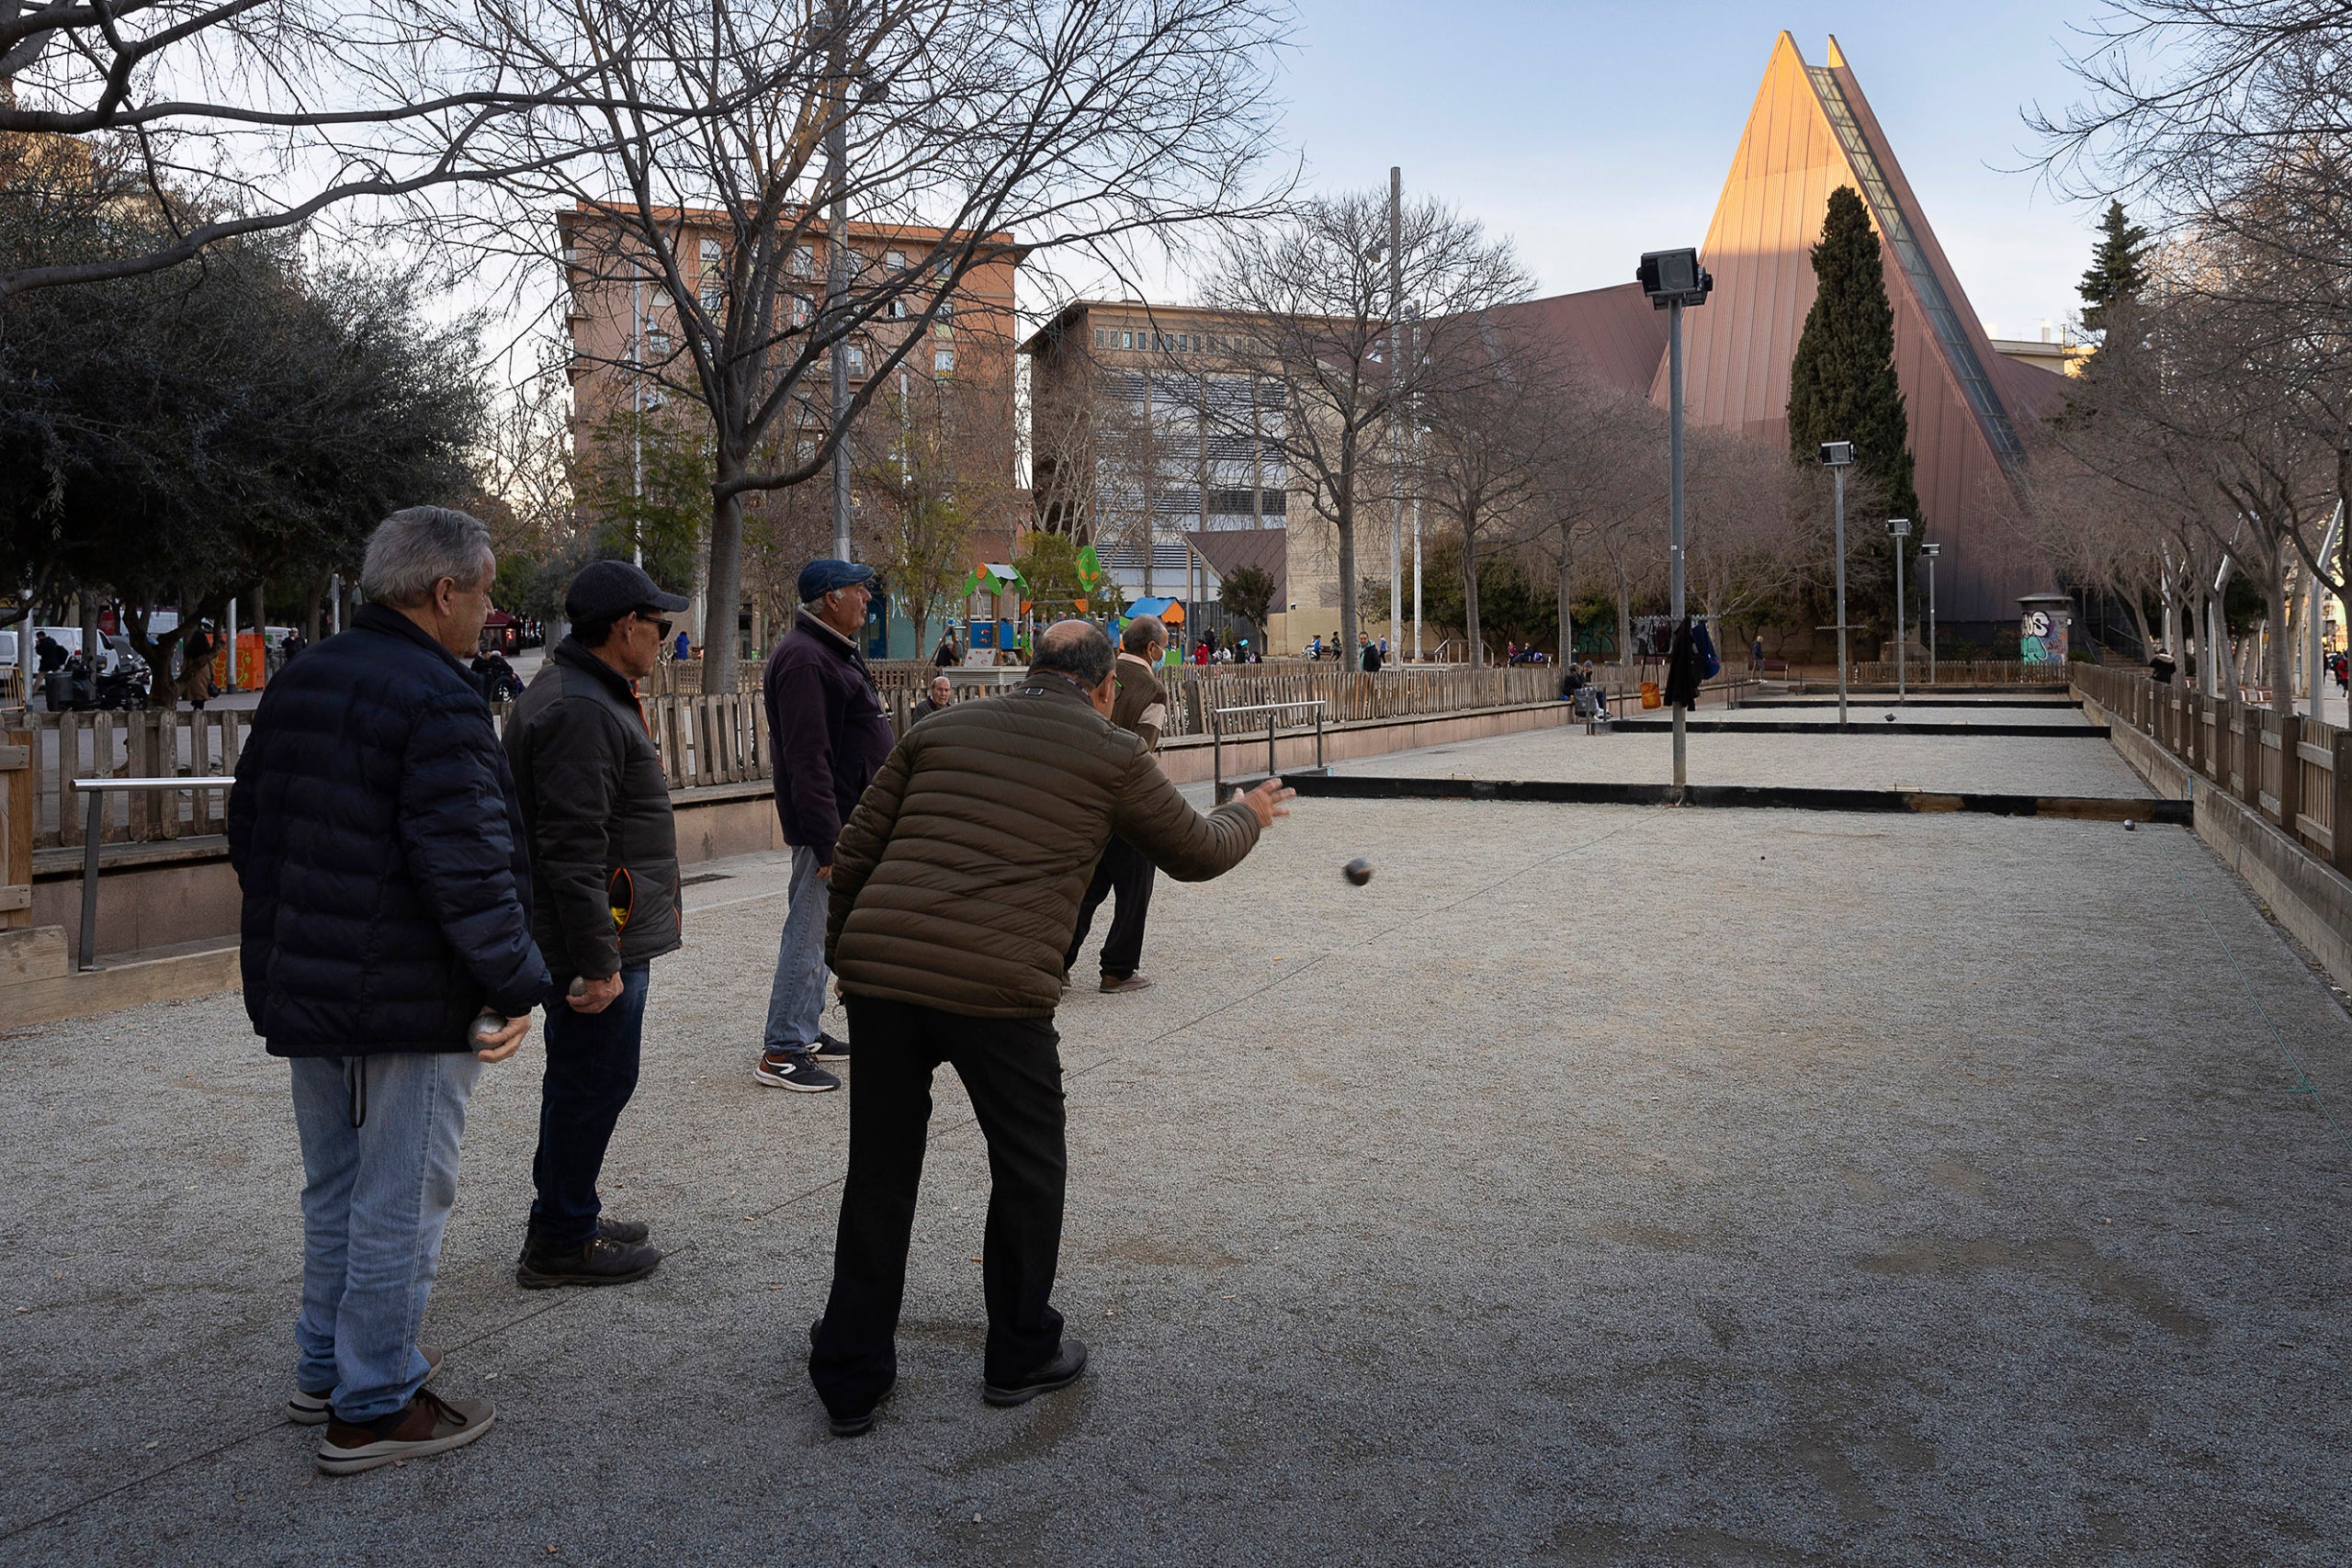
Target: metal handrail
93	825
1216	737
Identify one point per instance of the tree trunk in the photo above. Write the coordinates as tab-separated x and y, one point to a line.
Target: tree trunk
1624	628
1567	611
2280	641
312	599
719	657
1470	593
1346	525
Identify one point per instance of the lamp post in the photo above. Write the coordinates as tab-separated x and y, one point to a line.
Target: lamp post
1673	279
1899	529
1929	551
1838	456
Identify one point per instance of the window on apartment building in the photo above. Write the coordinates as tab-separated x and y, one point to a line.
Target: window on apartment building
944	362
801	309
855	357
1098	337
895	260
657	343
804	261
943	329
898	308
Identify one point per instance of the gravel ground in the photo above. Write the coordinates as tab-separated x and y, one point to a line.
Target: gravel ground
2017	764
1894	716
1598	1185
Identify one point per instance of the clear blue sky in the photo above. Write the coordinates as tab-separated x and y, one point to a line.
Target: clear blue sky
1590	132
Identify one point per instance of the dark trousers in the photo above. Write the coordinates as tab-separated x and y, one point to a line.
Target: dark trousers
592	1073
1130	870
1011	1069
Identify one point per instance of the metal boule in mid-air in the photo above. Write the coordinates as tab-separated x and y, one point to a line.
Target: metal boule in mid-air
1358	871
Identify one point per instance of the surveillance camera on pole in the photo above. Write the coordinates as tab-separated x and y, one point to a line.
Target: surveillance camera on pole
1838	456
1673	279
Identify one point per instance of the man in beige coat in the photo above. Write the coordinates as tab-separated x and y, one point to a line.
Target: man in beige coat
956	885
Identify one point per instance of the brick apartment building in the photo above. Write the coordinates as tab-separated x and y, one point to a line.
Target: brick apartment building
628	354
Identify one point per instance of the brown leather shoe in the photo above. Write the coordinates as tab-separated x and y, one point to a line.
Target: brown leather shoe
1116	983
428	1424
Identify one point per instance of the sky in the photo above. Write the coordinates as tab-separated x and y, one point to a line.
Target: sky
1590	132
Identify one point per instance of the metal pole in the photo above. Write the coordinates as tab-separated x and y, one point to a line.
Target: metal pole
1839	476
1931	620
2315	644
1900	694
92	824
837	267
1396	432
334	596
1674	493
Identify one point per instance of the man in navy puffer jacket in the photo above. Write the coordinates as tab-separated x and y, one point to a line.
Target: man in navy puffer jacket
375	830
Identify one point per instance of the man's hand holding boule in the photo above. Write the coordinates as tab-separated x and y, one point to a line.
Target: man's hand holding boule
505	1042
1269	800
594	995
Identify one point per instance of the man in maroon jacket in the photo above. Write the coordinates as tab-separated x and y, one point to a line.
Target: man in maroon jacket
828	737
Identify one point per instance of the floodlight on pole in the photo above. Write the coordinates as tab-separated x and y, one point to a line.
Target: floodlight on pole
1899	529
1673	279
1929	552
1838	456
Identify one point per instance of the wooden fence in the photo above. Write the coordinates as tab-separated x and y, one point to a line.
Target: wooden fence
2293	771
704	740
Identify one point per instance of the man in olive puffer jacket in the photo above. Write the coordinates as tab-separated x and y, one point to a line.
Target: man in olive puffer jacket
605	877
956	886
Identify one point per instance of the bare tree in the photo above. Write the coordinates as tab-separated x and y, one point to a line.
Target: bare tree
1313	308
933	470
984	132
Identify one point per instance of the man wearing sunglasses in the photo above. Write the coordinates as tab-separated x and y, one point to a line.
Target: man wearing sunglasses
605	877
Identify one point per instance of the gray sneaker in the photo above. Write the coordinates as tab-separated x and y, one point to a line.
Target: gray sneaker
793	1070
427	1425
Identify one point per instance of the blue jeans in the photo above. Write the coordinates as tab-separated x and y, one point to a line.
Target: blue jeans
591	1074
375	1197
797	1001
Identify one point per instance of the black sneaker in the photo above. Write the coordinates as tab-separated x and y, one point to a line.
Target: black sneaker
828	1049
795	1070
601	1262
1064	1370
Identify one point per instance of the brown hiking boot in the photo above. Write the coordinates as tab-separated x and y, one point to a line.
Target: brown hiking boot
428	1424
1116	983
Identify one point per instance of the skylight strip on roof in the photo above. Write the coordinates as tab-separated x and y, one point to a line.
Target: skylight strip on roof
1959	352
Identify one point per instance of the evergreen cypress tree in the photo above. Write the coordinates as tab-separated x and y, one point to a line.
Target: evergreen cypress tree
2118	270
1842	386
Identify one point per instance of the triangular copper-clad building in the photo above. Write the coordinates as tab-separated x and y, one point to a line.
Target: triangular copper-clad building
1810	130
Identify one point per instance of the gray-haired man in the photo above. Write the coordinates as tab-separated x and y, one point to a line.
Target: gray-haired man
375	830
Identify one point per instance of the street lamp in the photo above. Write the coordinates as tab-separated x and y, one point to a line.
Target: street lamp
1929	551
1673	279
1899	528
1838	456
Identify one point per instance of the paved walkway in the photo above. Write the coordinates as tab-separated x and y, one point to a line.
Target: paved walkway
1598	1185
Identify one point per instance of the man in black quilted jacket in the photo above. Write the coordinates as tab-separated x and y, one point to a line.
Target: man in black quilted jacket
375	830
604	869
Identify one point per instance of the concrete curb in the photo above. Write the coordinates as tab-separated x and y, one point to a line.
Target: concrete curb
1556	791
1798	727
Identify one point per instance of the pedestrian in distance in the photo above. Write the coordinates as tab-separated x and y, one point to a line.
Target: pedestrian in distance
830	738
195	666
1368	655
1140	708
946	656
49	652
375	830
986	819
604	886
2161	668
939	699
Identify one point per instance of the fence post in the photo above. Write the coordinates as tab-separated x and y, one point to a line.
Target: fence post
2290	774
2341	825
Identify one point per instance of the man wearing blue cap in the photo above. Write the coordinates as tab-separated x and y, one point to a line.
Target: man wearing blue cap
828	737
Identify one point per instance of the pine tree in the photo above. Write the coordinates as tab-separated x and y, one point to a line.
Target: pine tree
2118	267
1842	386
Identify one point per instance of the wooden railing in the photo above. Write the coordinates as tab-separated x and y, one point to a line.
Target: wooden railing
2295	772
704	740
1949	673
